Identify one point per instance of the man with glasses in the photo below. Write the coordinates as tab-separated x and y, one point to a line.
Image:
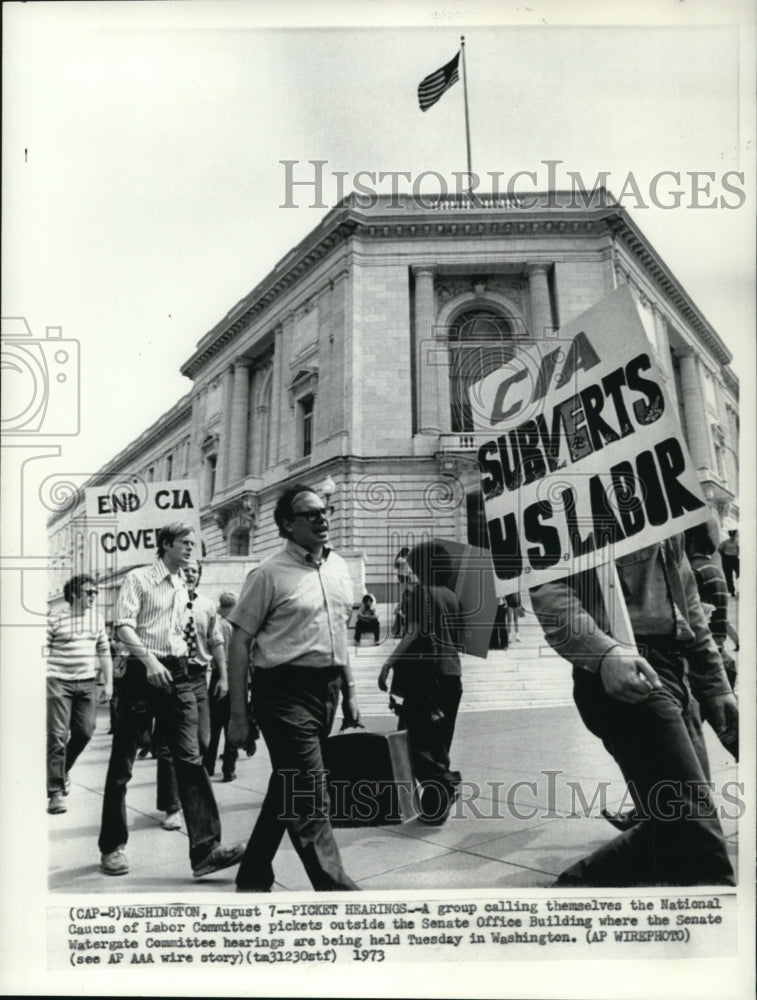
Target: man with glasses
154	625
292	617
77	643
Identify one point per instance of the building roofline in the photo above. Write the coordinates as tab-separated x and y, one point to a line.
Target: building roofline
392	215
177	414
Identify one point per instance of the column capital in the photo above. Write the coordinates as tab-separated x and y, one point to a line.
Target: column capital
241	362
686	352
534	267
424	270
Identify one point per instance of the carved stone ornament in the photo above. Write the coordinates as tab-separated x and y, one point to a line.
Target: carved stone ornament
240	512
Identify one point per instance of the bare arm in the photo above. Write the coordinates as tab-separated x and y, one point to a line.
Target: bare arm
349	700
240	643
157	674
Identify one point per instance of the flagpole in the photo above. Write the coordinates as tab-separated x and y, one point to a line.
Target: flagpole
467	123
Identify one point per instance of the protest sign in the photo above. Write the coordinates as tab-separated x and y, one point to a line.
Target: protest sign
586	461
125	518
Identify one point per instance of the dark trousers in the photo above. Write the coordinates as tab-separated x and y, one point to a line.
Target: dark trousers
71	715
430	741
368	626
659	747
295	708
176	713
219	709
730	570
167	787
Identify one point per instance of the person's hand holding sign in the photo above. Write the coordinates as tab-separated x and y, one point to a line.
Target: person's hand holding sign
627	676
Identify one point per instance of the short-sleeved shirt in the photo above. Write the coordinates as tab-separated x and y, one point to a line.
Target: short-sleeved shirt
296	609
730	547
207	628
75	643
154	602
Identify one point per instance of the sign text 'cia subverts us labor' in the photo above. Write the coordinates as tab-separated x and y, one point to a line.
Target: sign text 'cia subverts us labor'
125	517
585	460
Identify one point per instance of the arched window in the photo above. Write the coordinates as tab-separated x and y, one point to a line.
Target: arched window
480	342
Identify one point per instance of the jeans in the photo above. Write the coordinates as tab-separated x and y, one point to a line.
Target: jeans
167	788
71	717
659	747
176	713
295	708
219	721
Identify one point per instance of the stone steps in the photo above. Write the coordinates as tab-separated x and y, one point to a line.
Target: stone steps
522	677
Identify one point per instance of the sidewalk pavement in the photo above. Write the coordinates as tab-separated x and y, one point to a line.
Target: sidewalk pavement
521	828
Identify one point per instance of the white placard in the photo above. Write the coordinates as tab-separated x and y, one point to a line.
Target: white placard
586	459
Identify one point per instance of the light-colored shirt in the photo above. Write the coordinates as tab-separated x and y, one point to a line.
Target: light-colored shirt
226	630
207	628
730	547
296	609
154	602
75	643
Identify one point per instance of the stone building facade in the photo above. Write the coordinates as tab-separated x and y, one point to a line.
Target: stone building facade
347	368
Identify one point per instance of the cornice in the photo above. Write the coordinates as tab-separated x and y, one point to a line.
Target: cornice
388	218
634	241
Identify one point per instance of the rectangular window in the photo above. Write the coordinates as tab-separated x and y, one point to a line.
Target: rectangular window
307	407
151	474
169	467
210	465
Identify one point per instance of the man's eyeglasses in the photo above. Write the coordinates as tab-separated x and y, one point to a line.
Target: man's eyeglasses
314	515
91	593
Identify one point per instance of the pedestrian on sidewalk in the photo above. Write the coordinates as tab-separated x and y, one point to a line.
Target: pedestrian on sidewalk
292	618
220	707
642	706
206	647
155	624
729	556
427	679
404	577
700	550
77	644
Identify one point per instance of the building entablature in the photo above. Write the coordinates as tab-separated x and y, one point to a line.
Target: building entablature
552	214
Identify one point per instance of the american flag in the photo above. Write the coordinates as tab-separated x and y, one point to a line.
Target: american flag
431	88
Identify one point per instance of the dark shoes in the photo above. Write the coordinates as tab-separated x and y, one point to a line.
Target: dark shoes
229	775
219	858
55	803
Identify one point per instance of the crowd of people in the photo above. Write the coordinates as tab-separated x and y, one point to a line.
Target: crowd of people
275	662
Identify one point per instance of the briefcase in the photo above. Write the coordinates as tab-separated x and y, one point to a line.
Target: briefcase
370	779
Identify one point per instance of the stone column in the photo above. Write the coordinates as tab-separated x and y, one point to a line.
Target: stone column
276	401
692	391
280	398
663	343
222	465
238	425
542	323
429	421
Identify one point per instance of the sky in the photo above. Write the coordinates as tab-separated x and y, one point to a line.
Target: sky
142	185
142	171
